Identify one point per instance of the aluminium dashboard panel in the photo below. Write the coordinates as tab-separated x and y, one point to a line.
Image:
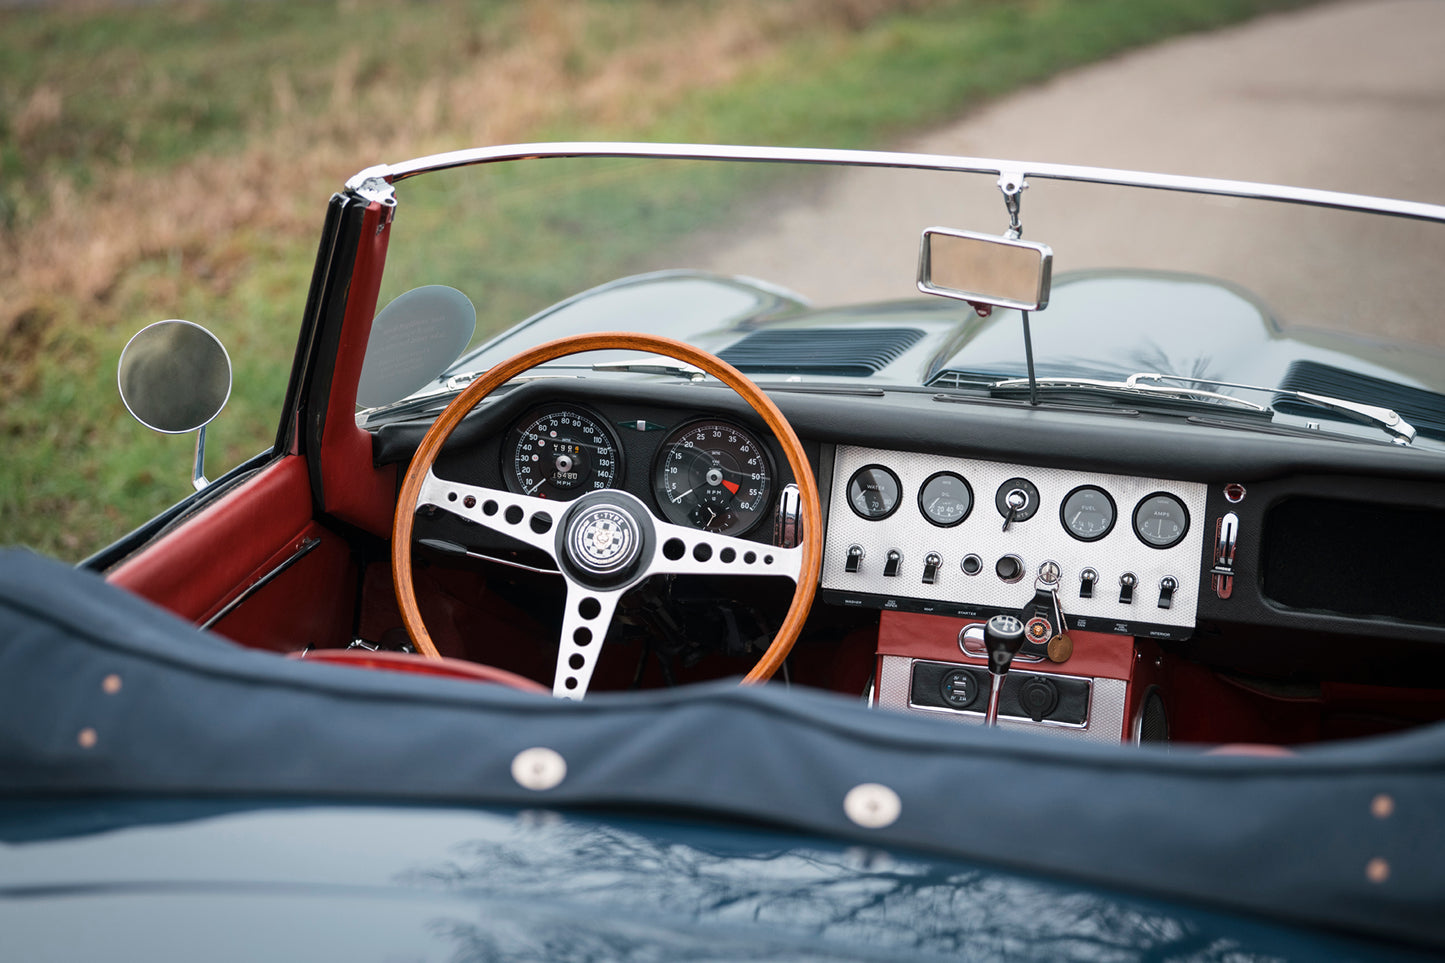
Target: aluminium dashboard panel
1041	537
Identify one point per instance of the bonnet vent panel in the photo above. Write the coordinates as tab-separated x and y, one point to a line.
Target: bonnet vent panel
850	352
1423	409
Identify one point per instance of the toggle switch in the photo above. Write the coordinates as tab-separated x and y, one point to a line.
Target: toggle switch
931	562
855	558
891	563
1087	578
1167	586
1127	581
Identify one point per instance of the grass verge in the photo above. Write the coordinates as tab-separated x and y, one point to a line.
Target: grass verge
172	160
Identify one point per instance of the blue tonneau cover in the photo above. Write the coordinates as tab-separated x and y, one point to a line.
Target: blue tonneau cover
1294	837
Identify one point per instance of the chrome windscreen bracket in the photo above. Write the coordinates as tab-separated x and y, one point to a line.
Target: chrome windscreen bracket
1013	184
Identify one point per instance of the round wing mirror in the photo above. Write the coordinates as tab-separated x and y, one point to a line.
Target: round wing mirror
174	376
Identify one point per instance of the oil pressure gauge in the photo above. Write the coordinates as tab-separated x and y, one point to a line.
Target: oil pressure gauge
945	499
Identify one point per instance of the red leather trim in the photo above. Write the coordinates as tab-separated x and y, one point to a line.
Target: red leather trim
198	567
419	665
1096	654
352	489
311	603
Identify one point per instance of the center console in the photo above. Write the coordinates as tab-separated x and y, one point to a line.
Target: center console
1097	566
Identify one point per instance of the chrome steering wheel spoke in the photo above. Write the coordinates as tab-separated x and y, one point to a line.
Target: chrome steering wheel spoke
691	551
523	517
584	627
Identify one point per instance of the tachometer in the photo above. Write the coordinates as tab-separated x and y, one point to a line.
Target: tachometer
561	453
713	475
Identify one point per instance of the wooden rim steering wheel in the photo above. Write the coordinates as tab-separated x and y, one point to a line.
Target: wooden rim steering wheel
607	541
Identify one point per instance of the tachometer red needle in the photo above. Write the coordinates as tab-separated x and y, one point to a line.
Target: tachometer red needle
731	486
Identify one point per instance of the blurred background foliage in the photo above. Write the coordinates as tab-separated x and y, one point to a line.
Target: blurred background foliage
173	159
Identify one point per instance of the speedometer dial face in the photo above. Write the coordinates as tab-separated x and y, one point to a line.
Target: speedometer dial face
561	453
713	475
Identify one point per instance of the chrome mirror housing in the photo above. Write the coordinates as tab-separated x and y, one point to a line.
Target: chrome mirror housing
175	377
985	269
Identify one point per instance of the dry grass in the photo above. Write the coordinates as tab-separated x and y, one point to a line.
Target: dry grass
84	240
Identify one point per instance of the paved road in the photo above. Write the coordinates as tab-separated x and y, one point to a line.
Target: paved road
1346	96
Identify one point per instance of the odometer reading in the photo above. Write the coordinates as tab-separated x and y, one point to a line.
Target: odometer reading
561	453
713	475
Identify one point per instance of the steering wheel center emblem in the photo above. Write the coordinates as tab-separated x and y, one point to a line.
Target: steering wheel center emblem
603	539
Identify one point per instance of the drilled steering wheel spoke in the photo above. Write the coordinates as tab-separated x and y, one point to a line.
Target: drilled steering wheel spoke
584	626
527	519
692	551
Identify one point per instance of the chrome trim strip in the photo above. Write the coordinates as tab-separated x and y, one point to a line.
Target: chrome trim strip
392	173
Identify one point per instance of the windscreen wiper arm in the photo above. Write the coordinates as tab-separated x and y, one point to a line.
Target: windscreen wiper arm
1130	385
1386	418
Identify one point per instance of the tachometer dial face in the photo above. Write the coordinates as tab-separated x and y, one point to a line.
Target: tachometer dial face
1161	520
874	492
945	499
1088	513
561	453
713	475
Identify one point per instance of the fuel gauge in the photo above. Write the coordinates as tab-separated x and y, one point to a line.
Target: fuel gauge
1087	513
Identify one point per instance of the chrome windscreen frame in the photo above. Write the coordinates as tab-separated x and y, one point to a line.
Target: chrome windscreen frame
371	179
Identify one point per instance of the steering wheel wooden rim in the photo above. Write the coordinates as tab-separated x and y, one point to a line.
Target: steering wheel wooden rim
441	429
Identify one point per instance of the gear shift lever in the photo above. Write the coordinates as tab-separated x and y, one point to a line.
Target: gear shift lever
1003	636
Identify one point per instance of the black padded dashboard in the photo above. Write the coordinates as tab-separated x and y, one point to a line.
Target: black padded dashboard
1336	537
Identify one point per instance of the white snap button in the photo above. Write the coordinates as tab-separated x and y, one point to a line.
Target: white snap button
539	768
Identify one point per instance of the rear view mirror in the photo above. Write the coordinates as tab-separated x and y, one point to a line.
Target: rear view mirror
985	269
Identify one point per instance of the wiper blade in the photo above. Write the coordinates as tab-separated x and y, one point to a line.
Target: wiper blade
1148	383
1130	385
660	366
1386	418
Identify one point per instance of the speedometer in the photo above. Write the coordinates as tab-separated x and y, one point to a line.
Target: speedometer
713	475
562	453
